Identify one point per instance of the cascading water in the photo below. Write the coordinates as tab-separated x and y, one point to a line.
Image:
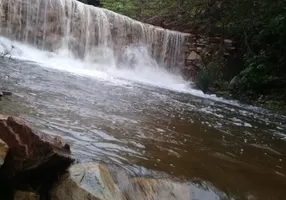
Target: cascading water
93	34
106	117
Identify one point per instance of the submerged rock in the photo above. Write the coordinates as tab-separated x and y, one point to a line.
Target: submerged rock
21	195
156	189
31	151
3	152
94	181
6	93
86	181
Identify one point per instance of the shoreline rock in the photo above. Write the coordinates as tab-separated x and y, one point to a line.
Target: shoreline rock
86	181
34	160
30	149
148	188
36	167
95	181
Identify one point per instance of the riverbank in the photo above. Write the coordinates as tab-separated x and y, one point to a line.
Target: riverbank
215	65
269	94
250	53
273	102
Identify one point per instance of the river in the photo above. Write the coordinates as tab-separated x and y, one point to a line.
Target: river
151	122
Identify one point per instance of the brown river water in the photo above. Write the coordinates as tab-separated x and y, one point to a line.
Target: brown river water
218	145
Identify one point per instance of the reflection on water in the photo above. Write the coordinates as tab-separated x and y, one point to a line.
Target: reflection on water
239	150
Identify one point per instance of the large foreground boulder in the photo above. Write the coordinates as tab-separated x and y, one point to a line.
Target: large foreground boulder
29	150
34	161
90	181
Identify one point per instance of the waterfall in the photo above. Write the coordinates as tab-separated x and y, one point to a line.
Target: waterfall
89	33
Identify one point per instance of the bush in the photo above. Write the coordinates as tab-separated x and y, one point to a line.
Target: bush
203	80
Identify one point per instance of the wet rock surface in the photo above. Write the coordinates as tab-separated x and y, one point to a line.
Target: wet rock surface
95	181
34	162
3	152
144	188
29	149
86	181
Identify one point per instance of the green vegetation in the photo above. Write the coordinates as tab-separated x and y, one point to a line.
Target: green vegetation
258	29
203	80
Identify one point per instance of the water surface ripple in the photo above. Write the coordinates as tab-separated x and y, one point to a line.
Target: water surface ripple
238	149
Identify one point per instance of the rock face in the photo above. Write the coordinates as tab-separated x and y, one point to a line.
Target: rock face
19	195
200	50
30	150
194	56
31	154
34	159
94	182
86	181
3	152
156	189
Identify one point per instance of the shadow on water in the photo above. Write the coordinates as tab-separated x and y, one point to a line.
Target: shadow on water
153	131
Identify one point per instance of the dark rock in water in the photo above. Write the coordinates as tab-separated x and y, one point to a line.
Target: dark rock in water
211	90
34	158
224	94
6	93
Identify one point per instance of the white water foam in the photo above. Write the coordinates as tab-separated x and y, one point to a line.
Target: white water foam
88	32
141	70
112	46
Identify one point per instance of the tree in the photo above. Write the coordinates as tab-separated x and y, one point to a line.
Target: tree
258	27
96	3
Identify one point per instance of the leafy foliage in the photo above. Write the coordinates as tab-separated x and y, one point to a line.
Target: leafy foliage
92	2
258	27
203	80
